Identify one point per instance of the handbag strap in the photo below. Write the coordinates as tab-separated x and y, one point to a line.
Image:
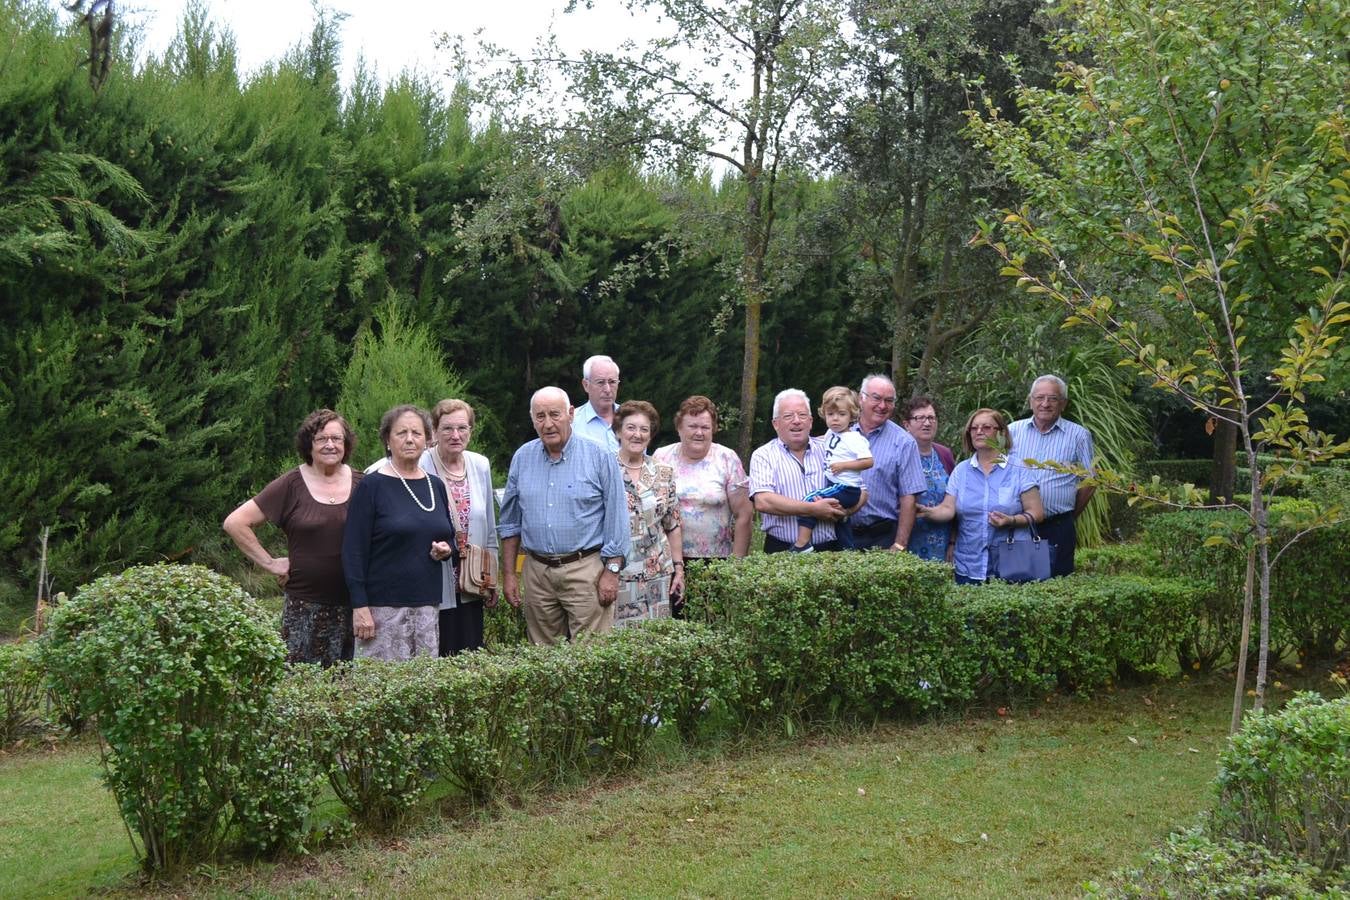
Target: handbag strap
1031	529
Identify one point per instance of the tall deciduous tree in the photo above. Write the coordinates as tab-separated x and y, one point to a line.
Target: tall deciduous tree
1189	202
730	87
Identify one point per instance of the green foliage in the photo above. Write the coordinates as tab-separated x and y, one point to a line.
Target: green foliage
399	364
1115	559
1075	632
493	722
838	633
1312	611
1191	865
20	690
174	665
1284	782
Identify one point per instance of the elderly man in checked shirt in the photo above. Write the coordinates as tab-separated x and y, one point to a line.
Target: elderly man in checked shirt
1048	437
788	468
565	503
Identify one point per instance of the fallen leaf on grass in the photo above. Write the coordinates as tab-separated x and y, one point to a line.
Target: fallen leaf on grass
1131	739
1192	750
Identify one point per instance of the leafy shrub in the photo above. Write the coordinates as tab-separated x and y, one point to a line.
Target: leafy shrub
20	690
1115	559
1193	866
825	633
1310	600
1075	632
174	665
492	722
1284	781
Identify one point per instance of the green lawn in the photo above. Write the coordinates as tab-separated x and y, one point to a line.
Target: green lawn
1031	805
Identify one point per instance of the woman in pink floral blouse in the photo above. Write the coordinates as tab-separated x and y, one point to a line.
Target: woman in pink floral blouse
653	575
711	484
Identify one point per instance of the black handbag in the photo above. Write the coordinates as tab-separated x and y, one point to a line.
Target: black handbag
1021	559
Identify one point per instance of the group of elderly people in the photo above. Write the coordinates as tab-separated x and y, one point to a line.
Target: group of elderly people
603	529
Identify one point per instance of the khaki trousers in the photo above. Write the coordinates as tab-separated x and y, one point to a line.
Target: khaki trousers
564	602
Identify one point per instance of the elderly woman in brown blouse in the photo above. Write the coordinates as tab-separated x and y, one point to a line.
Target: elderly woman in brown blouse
309	505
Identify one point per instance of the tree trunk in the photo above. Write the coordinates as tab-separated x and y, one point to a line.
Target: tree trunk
754	306
1223	474
1241	680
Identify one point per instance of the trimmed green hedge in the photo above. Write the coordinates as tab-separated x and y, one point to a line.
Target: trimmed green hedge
1284	782
1075	633
835	633
1310	596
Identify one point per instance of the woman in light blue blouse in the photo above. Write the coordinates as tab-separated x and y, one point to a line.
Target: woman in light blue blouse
985	493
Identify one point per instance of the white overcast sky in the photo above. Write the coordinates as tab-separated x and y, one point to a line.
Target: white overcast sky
392	34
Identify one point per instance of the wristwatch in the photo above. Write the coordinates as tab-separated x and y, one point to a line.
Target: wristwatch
613	566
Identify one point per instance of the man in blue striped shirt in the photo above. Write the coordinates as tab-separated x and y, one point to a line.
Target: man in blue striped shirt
1048	437
565	503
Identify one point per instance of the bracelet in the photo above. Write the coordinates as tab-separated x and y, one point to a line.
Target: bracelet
679	565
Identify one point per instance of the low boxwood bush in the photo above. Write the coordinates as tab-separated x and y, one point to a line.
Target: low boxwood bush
1284	782
1193	866
1310	598
20	691
1076	632
174	665
837	632
1116	559
499	721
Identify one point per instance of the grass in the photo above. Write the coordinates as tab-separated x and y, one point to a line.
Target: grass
1030	804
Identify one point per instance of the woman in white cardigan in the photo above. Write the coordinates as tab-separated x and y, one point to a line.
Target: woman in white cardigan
468	484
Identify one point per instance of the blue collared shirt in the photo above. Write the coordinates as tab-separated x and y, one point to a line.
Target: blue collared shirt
775	470
977	495
588	423
1066	442
560	506
896	471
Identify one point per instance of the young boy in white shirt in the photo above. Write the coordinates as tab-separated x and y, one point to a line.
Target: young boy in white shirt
847	454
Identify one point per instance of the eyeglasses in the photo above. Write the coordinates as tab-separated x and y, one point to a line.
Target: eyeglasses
329	439
884	401
981	426
604	382
454	429
633	428
923	418
794	417
1047	398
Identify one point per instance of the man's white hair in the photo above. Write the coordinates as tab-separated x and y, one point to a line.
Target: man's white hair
1058	382
599	357
788	394
549	391
875	376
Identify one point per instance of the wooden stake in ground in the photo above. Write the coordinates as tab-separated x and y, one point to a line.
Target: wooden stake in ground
40	609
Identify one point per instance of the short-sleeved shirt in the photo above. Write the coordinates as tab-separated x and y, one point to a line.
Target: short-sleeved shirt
313	537
1066	442
845	446
977	495
705	488
895	472
774	469
589	424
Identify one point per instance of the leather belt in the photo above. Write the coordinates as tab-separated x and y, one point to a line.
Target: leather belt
554	562
876	527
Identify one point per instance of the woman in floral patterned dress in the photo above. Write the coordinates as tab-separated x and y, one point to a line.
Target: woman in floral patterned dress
653	575
715	510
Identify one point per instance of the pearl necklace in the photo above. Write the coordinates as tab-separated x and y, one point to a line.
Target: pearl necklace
430	490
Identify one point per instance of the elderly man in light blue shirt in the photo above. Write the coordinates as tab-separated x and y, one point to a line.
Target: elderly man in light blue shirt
594	419
1049	437
896	478
565	503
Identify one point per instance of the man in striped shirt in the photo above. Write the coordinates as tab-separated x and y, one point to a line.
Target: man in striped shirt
788	468
1048	437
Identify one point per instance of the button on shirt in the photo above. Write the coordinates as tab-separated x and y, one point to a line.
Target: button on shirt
572	503
589	424
977	495
896	471
1066	442
774	469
